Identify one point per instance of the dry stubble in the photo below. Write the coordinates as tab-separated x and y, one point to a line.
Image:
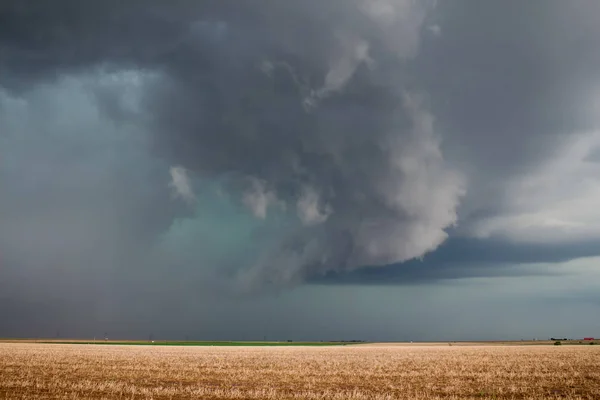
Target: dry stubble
37	371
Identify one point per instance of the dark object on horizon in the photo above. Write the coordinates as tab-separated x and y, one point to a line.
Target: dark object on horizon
588	338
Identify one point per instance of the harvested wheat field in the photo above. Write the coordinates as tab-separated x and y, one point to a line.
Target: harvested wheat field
57	371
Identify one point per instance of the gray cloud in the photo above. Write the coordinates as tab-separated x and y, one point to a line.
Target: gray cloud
165	155
514	86
307	98
460	258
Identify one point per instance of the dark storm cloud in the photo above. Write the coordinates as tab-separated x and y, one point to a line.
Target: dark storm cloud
81	204
465	258
306	101
301	139
101	100
40	39
45	40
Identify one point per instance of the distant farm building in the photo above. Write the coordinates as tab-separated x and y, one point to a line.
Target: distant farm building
588	338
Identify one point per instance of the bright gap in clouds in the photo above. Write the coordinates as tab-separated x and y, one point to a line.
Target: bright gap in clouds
556	202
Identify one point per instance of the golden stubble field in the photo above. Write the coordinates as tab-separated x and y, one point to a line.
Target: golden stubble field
56	371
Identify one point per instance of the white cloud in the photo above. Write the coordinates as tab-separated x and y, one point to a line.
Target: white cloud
353	51
310	211
399	22
420	187
344	60
557	202
259	198
181	185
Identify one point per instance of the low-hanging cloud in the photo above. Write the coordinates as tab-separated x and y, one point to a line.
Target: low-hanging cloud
302	108
363	164
156	157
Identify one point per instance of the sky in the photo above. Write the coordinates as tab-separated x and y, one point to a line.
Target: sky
305	170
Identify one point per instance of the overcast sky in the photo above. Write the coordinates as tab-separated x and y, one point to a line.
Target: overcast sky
315	169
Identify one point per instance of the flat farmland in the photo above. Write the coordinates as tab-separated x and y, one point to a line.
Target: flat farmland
81	371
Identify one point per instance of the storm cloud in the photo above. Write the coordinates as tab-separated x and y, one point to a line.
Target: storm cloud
170	155
303	106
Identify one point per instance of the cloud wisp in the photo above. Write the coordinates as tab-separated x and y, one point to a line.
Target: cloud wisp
180	182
